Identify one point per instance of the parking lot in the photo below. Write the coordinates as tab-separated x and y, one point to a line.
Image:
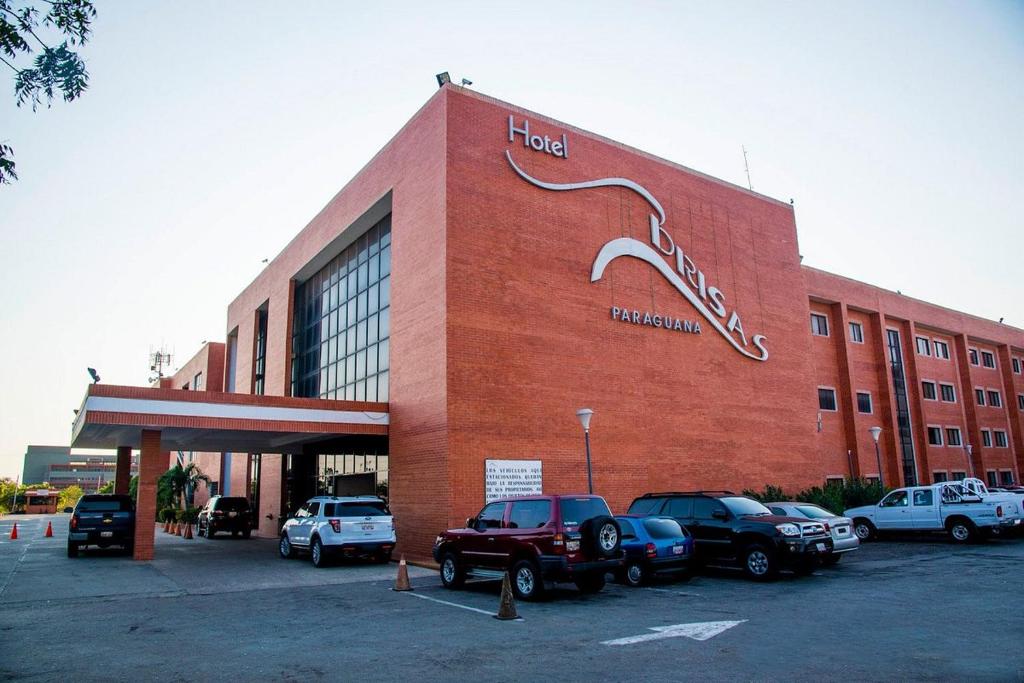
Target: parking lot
231	610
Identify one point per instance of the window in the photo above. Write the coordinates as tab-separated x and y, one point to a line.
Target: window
184	387
626	526
663	528
864	402
1007	477
990	475
368	509
835	480
941	349
986	438
923	346
827	399
935	436
958	476
646	506
988	360
681	508
973	355
704	508
1000	437
953	436
896	499
948	393
938	477
857	333
979	395
819	325
923	498
530	514
928	389
341	334
197	383
313	510
995	399
1020	401
490	516
576	510
259	361
1016	365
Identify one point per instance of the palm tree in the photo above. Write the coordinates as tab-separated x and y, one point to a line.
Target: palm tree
183	480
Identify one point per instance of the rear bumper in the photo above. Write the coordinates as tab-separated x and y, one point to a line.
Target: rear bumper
94	537
558	568
845	545
668	564
229	524
360	549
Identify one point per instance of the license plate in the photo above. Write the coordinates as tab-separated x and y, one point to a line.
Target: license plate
679	549
232	514
821	547
842	531
106	534
368	527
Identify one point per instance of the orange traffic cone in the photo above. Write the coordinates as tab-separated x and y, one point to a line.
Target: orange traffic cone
188	531
14	532
167	525
177	529
402	581
507	606
49	530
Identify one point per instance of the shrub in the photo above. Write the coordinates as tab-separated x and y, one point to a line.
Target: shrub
770	493
189	515
167	514
835	496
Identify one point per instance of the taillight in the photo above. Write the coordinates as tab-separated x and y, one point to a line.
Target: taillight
218	513
999	510
827	528
559	544
651	549
74	521
336	525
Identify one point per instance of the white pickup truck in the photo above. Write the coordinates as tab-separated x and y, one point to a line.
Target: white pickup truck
948	507
1013	505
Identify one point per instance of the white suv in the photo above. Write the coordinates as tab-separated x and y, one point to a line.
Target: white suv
359	526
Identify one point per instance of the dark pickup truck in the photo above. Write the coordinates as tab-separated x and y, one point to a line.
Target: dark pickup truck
102	520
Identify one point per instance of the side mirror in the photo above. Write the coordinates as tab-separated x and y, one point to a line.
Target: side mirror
720	514
471	522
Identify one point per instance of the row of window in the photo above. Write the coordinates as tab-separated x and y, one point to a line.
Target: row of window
953	436
995	399
925	346
948	391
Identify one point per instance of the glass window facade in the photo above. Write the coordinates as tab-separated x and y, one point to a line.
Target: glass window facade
259	368
342	327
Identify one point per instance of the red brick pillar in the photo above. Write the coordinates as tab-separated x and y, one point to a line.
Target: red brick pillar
123	469
151	466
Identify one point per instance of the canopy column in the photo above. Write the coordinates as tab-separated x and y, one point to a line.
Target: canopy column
152	463
123	470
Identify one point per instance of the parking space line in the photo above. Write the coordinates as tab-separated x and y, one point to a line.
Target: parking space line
667	590
452	604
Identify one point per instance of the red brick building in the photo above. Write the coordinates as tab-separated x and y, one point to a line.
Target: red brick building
491	270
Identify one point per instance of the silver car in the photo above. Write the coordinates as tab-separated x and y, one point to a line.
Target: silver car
844	540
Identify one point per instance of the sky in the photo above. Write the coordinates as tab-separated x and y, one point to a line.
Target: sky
211	133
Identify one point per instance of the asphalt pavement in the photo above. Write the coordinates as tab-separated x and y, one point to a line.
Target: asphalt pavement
230	610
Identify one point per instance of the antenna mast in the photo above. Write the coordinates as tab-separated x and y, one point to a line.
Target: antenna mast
158	360
746	167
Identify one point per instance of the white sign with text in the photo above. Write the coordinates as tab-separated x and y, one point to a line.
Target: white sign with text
508	478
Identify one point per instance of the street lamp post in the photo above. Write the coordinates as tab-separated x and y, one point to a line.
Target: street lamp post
969	450
875	433
584	415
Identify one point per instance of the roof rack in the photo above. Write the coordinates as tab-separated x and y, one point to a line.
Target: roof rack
686	493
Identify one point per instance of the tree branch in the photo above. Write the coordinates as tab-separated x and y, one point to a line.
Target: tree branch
16	69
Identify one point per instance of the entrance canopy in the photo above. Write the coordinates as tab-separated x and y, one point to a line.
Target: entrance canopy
114	416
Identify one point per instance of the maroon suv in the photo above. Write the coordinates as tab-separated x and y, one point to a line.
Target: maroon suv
536	539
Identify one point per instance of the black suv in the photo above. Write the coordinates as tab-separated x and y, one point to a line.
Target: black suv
225	513
102	520
738	531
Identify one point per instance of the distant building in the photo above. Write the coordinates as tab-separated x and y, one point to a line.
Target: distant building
61	468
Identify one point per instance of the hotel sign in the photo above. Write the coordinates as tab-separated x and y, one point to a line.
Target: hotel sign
662	253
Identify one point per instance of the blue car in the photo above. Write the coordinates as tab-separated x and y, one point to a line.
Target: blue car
653	545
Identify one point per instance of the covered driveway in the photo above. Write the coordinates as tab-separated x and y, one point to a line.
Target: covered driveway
157	421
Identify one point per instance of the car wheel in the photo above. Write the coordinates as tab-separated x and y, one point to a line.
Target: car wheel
833	559
316	554
759	563
527	583
72	549
591	583
285	549
864	529
961	531
234	534
453	574
633	574
601	536
210	532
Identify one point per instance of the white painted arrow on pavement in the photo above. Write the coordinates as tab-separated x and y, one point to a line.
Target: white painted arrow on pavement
697	631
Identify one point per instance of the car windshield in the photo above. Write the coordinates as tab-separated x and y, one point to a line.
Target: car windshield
814	512
664	528
361	509
575	511
643	506
745	506
233	504
105	505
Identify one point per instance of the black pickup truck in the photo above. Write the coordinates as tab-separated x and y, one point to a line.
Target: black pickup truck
102	520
